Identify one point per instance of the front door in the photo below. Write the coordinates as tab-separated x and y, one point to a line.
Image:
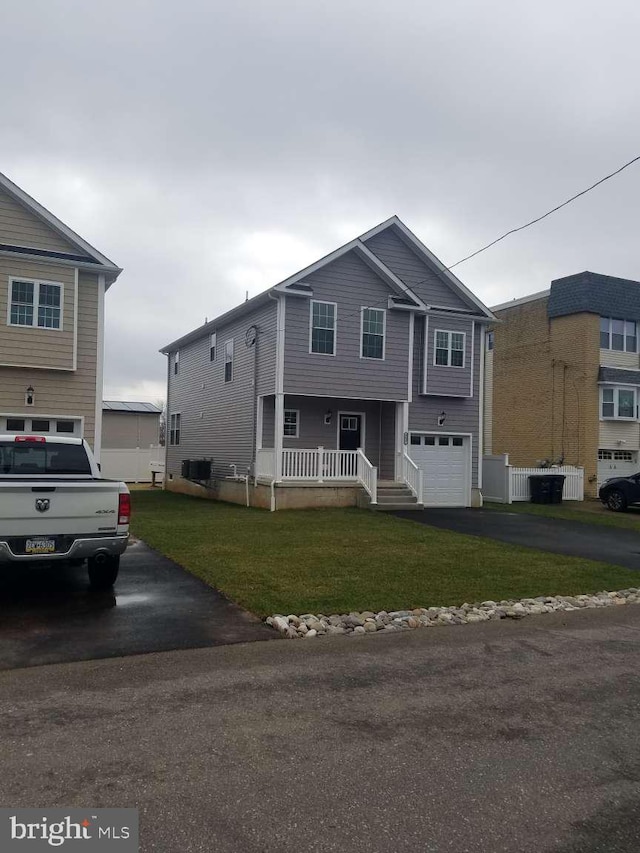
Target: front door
350	432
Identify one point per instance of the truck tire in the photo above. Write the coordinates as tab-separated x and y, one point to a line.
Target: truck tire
103	573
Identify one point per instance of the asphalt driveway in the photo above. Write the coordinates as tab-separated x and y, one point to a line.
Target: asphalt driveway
575	538
51	616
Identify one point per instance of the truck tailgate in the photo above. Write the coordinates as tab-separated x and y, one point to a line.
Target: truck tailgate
48	508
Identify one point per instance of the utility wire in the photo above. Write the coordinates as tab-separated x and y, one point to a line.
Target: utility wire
383	302
544	215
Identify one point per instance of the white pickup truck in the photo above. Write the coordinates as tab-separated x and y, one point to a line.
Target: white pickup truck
54	505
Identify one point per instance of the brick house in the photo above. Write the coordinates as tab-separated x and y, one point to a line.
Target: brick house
562	377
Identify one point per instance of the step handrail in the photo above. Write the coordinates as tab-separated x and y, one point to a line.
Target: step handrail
367	476
412	476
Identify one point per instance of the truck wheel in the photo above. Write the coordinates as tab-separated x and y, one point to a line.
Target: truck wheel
103	571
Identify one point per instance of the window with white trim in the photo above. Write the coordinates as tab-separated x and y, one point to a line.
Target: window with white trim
490	339
176	363
291	423
174	429
618	403
323	328
449	348
35	303
212	347
617	455
619	335
228	360
373	322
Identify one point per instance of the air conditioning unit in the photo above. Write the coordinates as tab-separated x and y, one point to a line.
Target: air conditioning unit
199	469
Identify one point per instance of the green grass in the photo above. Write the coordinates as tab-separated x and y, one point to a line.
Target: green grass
337	560
589	512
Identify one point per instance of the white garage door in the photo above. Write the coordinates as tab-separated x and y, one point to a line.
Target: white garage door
616	463
445	461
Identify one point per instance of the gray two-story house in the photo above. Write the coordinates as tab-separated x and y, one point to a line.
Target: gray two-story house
358	376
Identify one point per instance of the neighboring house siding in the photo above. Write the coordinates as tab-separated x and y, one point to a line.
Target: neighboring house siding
405	263
217	417
22	345
613	358
462	415
265	320
449	380
351	284
59	392
20	227
121	430
615	435
545	392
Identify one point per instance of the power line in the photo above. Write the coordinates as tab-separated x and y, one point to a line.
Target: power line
512	231
544	215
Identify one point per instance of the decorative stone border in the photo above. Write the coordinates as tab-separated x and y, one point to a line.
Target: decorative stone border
309	625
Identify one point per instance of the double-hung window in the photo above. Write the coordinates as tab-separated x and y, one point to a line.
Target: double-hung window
176	363
35	303
323	328
373	329
174	429
619	335
291	423
618	403
212	347
228	360
449	349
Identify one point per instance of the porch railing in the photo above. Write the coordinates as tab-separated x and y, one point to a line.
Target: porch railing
412	476
320	465
266	463
368	476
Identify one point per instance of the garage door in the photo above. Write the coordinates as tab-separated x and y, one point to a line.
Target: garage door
445	462
616	463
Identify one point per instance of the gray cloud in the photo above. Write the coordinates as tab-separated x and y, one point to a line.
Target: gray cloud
212	149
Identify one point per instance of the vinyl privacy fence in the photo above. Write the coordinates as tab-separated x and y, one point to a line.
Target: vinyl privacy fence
133	465
504	483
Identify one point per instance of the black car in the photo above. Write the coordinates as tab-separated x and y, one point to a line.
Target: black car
620	492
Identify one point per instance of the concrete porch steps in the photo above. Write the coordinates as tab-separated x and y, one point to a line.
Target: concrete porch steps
394	496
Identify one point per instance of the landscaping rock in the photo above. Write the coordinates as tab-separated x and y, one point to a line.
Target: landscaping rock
314	625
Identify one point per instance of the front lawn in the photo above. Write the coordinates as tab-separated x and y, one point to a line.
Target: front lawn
588	511
338	560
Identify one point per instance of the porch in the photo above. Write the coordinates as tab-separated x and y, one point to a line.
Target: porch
328	441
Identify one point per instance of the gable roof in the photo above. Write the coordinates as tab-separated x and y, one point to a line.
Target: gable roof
87	254
401	294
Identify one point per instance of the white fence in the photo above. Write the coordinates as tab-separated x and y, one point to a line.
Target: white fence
503	483
133	465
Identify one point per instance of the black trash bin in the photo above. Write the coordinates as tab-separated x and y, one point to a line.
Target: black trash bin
546	488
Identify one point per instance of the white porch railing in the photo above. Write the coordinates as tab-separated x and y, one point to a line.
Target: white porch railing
367	476
266	463
504	483
412	476
320	465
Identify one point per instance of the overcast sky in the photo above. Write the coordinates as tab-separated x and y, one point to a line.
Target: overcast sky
212	148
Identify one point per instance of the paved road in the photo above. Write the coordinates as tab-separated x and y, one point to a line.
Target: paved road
595	541
511	736
51	616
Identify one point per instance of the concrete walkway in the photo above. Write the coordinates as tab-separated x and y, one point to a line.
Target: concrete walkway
575	538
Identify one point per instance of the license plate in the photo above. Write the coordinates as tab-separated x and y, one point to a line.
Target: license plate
40	546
